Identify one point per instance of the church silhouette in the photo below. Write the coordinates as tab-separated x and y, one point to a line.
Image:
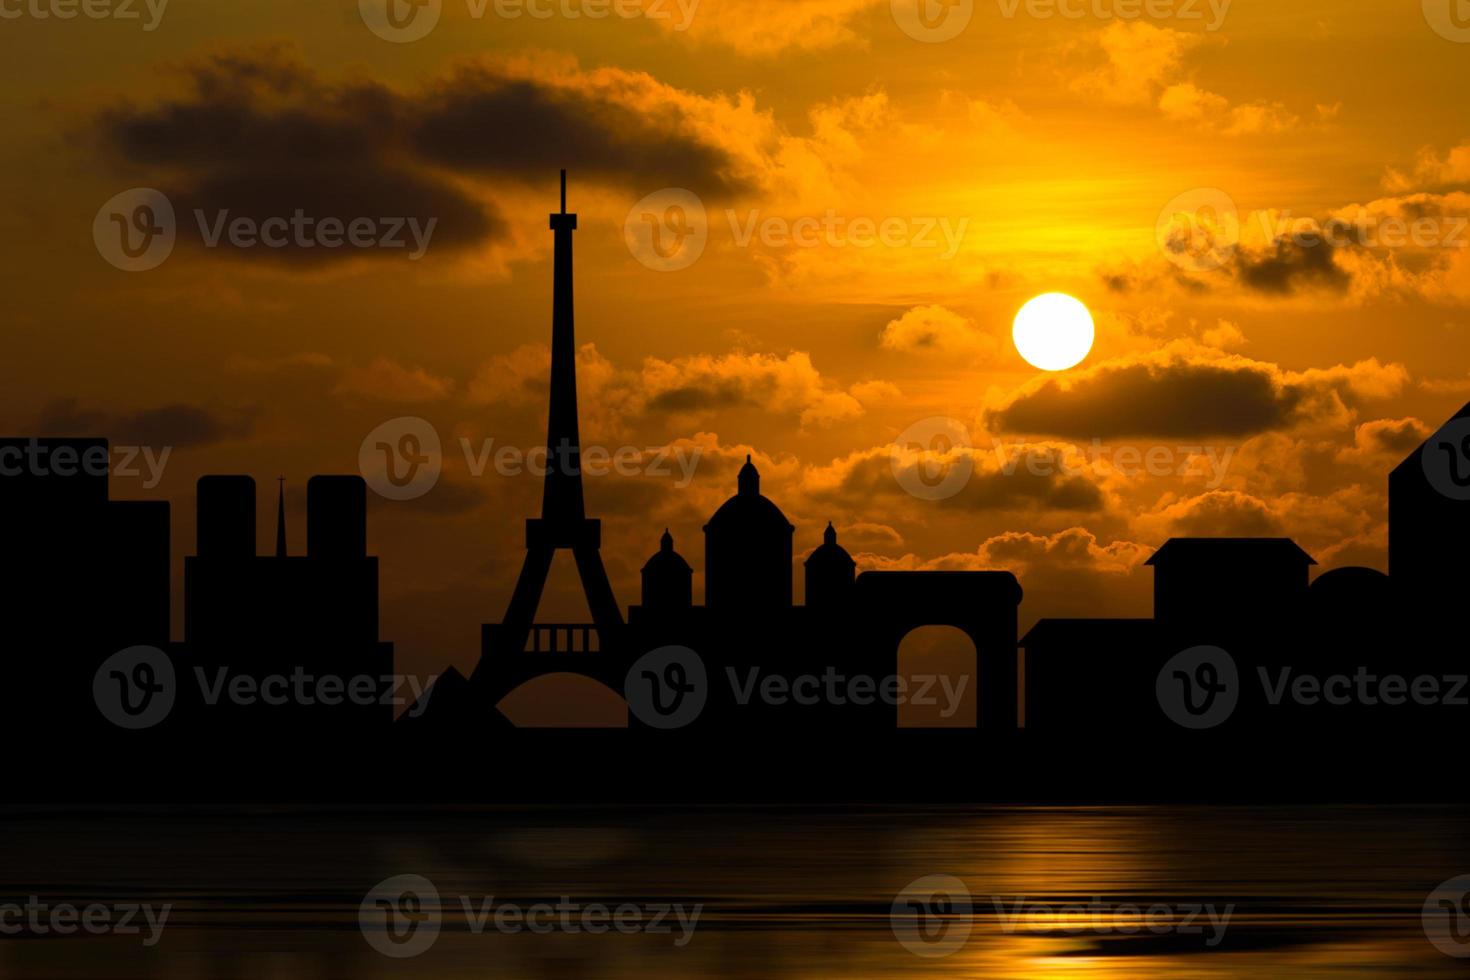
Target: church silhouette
1252	680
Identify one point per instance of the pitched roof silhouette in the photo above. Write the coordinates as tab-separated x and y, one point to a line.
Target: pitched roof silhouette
1229	550
1414	461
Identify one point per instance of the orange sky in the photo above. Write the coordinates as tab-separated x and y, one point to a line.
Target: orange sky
1274	390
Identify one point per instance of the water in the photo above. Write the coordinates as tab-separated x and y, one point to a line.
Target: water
799	893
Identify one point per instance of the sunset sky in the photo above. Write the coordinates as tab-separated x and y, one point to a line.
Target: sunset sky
1025	155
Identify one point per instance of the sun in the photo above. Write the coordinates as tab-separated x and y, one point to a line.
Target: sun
1053	332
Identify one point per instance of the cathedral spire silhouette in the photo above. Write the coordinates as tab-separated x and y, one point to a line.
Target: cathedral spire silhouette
563	524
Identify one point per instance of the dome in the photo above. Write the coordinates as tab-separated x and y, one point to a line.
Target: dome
830	553
830	573
747	552
667	578
749	508
666	559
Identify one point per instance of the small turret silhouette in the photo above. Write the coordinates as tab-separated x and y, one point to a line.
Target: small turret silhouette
668	580
830	573
750	478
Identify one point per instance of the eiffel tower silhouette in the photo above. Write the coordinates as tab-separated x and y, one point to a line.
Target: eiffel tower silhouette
563	524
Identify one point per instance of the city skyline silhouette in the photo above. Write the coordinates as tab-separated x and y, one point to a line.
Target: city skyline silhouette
1227	613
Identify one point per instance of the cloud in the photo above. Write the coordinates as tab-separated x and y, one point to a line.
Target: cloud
1314	520
258	133
387	380
1222	513
625	128
1432	169
1192	392
1136	57
1224	336
1413	246
1141	64
177	425
1075	548
694	386
1020	478
762	29
1287	266
1383	442
936	329
789	385
303	361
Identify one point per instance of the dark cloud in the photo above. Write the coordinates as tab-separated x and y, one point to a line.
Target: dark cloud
170	425
1032	478
261	136
1291	266
1394	436
1180	399
480	121
694	398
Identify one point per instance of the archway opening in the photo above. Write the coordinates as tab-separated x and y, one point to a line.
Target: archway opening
939	666
564	700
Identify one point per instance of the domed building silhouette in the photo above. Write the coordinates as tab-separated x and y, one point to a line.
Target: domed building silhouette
830	574
748	552
668	580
